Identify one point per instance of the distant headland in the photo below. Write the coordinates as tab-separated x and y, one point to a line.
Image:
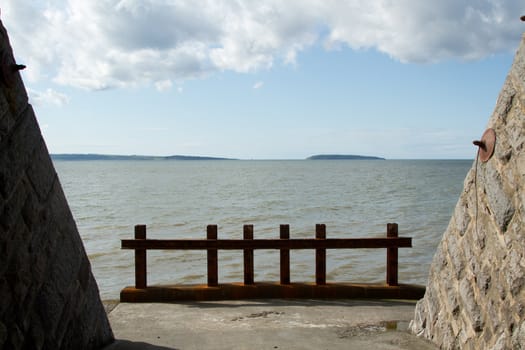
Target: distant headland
133	157
342	157
94	156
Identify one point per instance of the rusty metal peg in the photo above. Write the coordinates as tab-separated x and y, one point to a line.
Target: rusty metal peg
486	145
480	144
16	67
9	68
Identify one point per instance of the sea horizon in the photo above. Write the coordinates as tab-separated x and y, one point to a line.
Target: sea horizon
85	157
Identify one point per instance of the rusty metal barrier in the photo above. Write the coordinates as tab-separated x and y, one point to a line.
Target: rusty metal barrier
284	289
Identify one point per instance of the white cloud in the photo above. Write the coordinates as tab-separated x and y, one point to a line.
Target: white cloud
163	85
116	43
48	97
416	31
258	85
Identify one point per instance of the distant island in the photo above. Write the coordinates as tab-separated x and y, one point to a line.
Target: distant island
133	157
342	157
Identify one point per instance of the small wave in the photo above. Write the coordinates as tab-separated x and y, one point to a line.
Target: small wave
192	279
99	255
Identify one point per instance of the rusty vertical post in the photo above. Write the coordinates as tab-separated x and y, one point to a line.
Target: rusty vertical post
391	256
248	256
320	256
285	255
140	260
213	269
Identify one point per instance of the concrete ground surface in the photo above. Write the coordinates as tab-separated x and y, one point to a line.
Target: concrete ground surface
265	324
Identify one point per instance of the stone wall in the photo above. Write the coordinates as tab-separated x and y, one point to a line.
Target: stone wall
48	296
475	297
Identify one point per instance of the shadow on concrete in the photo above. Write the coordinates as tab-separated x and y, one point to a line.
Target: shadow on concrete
134	345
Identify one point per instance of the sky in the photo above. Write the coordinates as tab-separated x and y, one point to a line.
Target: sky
267	79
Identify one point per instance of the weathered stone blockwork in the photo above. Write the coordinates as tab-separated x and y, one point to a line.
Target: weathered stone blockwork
475	296
48	296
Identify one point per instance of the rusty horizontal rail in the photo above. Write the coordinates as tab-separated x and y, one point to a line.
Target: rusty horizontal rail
239	244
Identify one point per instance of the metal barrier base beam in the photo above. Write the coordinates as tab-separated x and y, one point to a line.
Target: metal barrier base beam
269	290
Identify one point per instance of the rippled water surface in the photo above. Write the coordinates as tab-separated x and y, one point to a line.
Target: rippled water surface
177	199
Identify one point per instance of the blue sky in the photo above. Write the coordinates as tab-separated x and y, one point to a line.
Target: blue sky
266	79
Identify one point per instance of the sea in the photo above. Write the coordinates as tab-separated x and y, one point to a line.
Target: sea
178	199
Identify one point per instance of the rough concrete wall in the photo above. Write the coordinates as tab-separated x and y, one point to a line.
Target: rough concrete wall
48	296
475	297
